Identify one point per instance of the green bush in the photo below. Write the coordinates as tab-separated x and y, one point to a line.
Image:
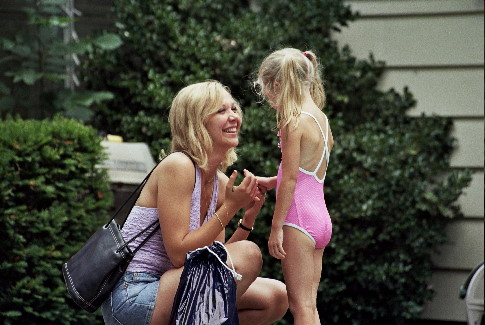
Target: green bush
53	196
389	188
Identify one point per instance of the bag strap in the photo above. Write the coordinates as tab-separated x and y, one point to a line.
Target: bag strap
138	235
140	188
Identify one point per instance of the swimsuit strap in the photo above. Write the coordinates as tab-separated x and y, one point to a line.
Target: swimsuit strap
327	152
325	149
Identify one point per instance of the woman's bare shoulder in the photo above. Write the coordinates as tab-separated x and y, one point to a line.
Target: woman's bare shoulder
177	160
176	166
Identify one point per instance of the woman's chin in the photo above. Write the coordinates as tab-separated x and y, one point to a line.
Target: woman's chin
234	143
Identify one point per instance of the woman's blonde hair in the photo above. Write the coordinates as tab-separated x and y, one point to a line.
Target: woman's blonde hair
286	73
190	110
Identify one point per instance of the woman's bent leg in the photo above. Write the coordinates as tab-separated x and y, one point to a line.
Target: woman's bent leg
247	259
264	302
167	288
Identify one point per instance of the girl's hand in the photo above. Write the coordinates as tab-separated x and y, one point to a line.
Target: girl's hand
266	183
275	243
243	194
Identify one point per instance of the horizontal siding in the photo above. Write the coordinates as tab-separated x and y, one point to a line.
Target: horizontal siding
446	304
465	246
468	149
387	8
435	48
432	88
472	200
418	41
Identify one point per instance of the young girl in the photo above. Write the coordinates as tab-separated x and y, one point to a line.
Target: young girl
301	228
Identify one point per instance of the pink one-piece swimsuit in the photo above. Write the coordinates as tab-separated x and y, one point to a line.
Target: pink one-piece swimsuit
308	211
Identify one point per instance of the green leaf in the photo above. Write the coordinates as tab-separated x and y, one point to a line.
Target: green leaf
12	313
7	44
80	113
73	47
27	76
22	50
431	196
108	41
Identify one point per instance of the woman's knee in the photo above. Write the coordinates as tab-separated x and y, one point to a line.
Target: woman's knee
247	257
279	298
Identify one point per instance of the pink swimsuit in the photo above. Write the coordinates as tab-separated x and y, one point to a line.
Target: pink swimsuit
308	212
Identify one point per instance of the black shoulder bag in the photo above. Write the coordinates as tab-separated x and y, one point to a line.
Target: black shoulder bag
94	270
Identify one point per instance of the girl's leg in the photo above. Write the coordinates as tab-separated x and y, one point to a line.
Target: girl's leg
245	255
317	262
264	302
299	271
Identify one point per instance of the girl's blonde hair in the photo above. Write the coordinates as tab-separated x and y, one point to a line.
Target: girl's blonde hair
190	110
286	73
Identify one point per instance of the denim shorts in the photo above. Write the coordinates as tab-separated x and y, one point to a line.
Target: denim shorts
132	300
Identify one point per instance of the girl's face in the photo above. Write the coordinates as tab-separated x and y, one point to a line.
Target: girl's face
223	125
271	96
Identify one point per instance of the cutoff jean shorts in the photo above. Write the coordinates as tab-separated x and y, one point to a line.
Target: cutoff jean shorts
132	300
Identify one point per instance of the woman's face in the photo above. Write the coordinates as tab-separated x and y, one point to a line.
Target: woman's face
223	125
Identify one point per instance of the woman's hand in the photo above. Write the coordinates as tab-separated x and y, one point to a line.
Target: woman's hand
242	195
253	208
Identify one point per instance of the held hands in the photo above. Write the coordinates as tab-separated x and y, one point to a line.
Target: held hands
253	208
266	183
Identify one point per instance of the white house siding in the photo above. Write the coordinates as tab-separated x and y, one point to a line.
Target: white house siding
436	48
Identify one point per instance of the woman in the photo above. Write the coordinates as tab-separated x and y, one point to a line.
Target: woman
194	202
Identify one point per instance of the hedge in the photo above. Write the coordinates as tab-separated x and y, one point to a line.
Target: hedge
53	195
